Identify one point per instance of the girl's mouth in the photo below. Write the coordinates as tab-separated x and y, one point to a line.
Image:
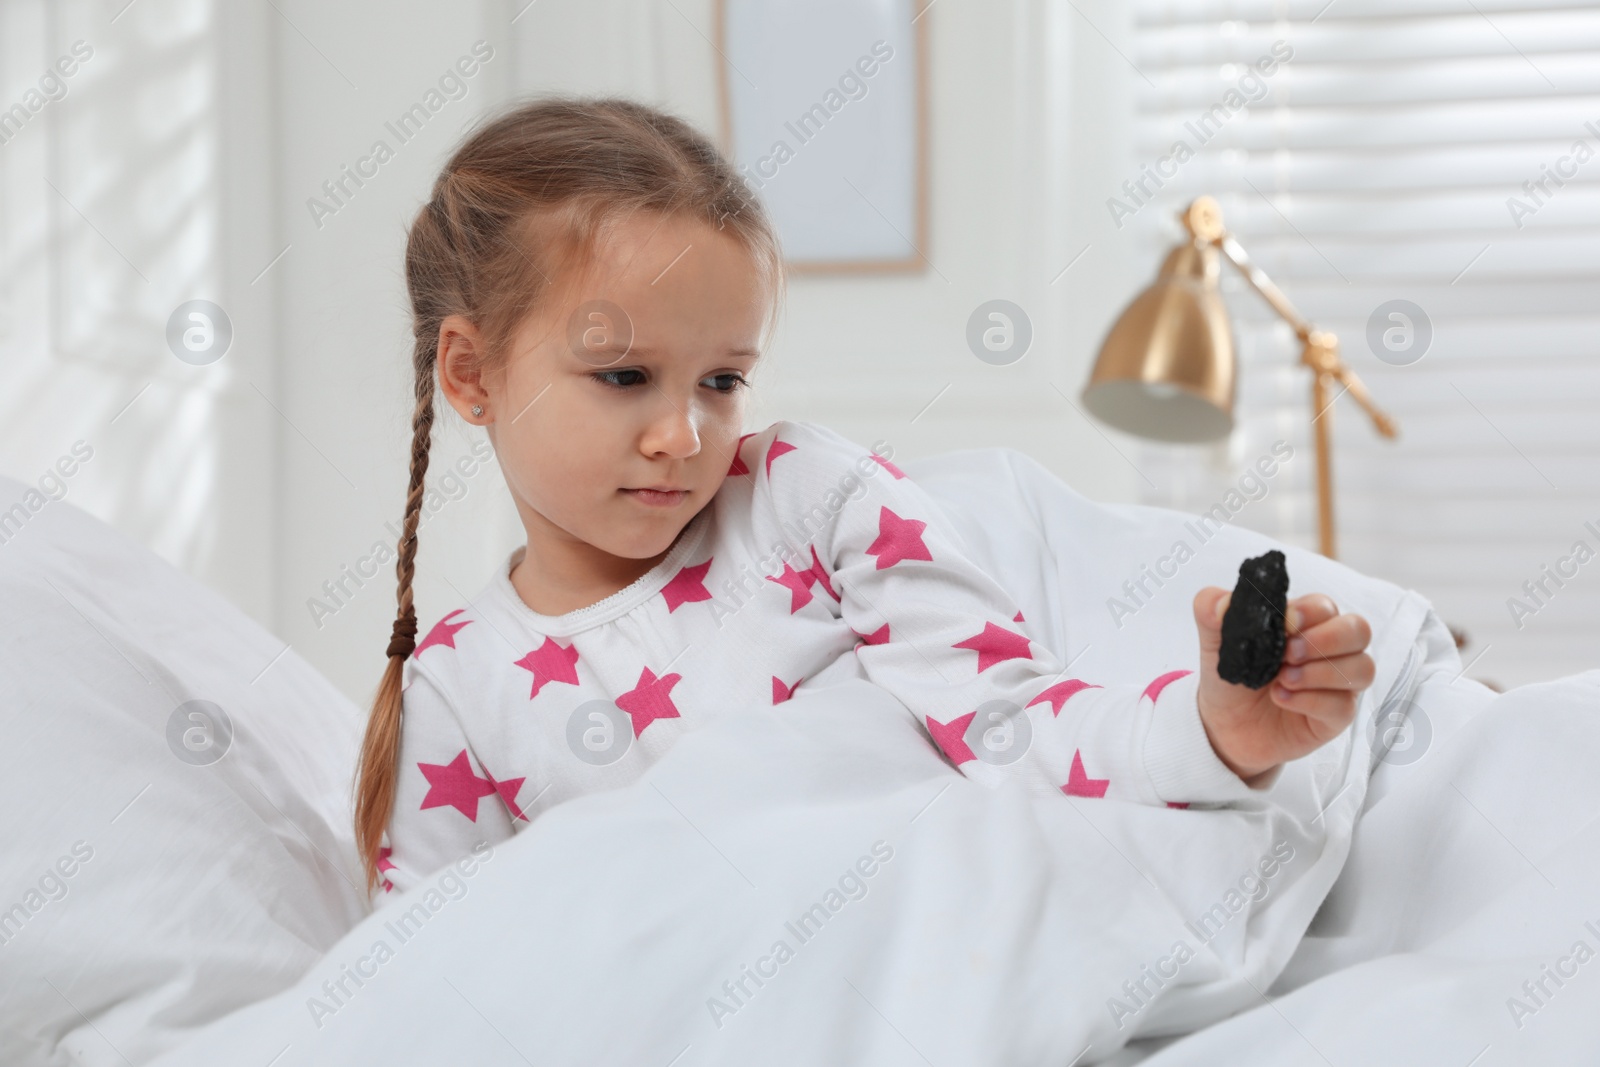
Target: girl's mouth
658	498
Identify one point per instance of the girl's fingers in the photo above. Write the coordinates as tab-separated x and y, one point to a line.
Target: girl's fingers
1308	611
1210	604
1329	708
1338	636
1351	673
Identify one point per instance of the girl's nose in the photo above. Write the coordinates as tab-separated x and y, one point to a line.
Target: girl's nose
672	431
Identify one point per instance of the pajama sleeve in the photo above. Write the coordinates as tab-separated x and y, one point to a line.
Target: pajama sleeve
446	801
943	636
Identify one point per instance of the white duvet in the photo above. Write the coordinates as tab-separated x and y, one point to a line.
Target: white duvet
811	884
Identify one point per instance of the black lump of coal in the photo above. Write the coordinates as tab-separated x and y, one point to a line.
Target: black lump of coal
1253	635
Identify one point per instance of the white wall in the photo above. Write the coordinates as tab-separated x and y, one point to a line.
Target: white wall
346	382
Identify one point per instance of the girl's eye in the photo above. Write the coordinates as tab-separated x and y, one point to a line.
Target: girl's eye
619	379
728	383
629	377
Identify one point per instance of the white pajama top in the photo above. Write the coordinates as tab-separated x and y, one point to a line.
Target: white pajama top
816	559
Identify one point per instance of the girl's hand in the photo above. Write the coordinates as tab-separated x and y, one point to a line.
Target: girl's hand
1310	702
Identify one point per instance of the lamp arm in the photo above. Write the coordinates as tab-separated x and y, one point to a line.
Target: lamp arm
1262	284
1319	350
1386	426
1322	348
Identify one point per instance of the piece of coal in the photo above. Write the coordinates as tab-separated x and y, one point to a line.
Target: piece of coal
1253	635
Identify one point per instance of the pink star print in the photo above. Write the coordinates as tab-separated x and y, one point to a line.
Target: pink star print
799	583
1176	804
898	539
443	633
781	692
454	785
738	466
951	737
820	573
886	465
777	449
508	791
1057	694
994	645
1017	617
550	662
1154	689
880	636
1079	784
384	864
687	586
650	700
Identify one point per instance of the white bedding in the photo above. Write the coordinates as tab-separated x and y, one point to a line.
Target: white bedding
1476	871
991	930
967	926
175	838
954	925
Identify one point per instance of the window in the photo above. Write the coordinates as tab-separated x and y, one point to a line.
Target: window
1442	154
131	183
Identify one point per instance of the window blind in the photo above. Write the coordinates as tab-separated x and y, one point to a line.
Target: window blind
1442	153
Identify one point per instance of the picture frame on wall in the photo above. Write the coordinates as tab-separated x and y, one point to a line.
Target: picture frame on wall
824	111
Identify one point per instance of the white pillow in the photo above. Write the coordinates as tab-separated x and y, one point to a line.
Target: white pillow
144	891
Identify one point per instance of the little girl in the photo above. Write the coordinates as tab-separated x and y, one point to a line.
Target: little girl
591	283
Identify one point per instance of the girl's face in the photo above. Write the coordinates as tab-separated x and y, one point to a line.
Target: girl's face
616	414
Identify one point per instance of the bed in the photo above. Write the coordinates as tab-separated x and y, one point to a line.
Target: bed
180	884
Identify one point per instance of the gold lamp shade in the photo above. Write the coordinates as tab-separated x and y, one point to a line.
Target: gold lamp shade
1166	369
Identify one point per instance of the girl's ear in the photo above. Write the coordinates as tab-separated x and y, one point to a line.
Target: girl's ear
460	364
